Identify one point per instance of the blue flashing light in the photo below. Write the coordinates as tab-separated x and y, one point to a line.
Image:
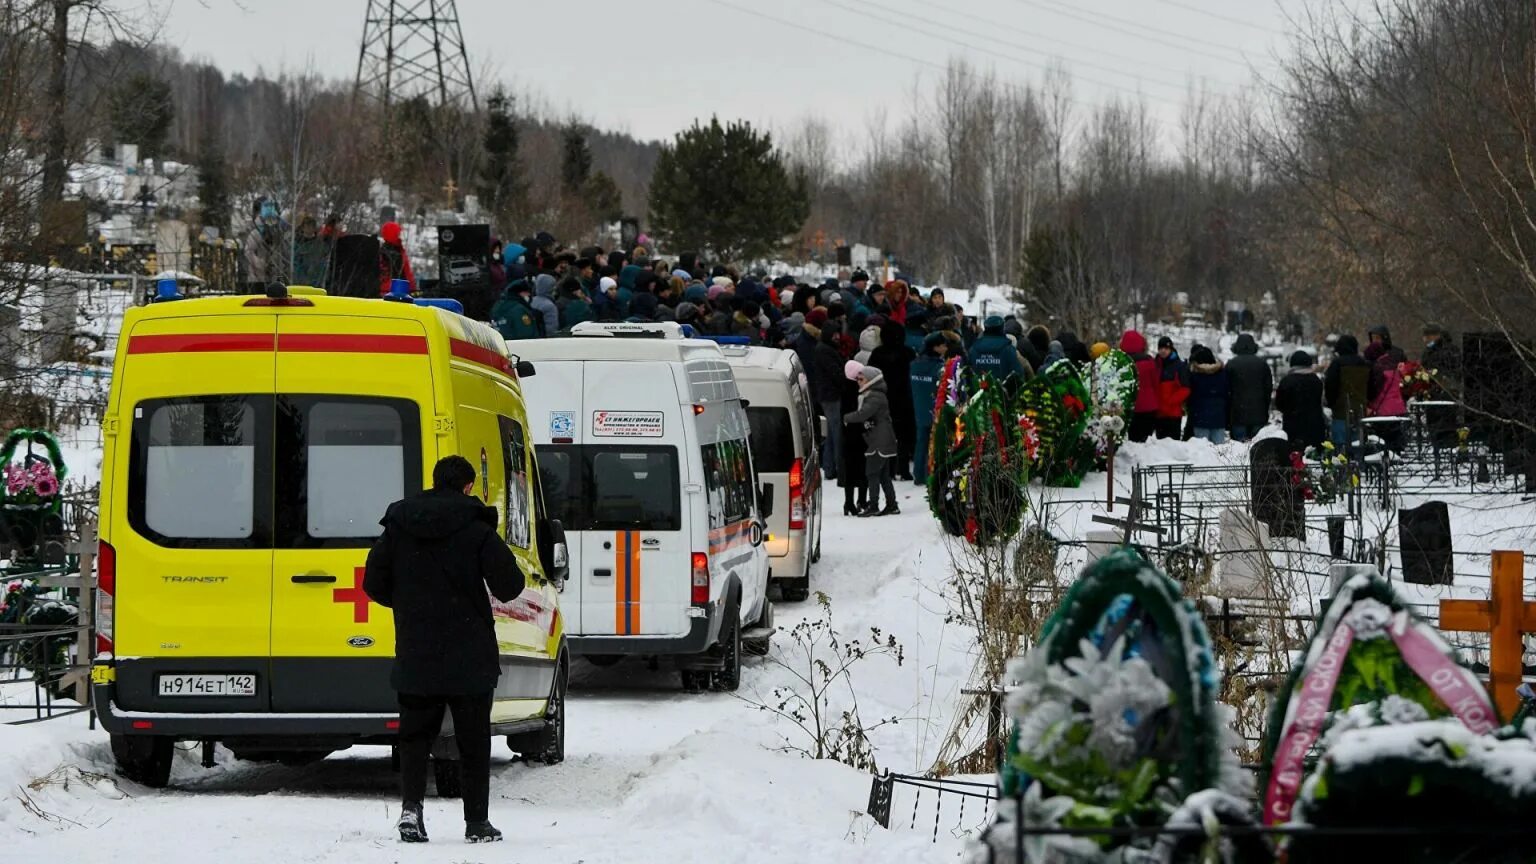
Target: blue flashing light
689	332
447	304
165	289
729	340
399	291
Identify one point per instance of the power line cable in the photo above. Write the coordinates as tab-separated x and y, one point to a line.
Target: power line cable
1088	63
1009	57
1220	17
1141	31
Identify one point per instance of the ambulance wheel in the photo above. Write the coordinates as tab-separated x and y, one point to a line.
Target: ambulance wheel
144	759
547	745
446	773
727	680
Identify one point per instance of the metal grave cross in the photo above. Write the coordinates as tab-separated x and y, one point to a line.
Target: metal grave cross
1506	616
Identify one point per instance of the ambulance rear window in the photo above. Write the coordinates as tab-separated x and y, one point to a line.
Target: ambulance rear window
199	471
773	440
611	487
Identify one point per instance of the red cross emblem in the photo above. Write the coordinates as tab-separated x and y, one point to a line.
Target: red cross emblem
354	595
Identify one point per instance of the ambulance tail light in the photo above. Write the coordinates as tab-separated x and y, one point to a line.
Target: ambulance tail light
797	495
700	589
106	596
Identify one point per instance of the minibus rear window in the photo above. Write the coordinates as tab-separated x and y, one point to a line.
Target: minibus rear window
611	487
773	440
342	461
200	471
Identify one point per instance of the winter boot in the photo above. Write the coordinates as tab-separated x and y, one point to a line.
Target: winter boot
869	510
481	832
413	829
890	510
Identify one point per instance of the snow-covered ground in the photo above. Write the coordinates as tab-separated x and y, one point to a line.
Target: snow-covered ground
651	774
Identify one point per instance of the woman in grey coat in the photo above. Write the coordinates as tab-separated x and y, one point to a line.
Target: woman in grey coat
874	413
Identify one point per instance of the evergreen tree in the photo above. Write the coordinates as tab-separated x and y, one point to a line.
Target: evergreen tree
603	197
141	108
575	160
502	189
213	182
726	189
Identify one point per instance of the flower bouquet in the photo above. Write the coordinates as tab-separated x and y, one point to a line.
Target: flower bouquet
1417	382
31	499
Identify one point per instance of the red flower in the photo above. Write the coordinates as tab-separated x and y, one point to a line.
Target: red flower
1073	403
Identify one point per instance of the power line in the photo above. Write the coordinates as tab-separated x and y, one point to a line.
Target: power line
1059	41
1012	58
1141	31
1088	63
841	40
1220	17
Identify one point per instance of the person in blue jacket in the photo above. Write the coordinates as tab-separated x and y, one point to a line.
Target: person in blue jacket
926	371
995	355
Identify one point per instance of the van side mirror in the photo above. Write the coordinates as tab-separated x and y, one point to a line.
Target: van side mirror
560	554
765	500
524	369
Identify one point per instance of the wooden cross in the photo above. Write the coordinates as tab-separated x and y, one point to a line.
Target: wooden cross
1506	617
450	189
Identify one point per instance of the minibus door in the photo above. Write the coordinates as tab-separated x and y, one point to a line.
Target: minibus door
354	433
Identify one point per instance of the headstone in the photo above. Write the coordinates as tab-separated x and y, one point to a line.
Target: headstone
1275	500
355	267
1100	543
60	319
1242	554
1338	574
1336	525
463	268
1425	536
10	341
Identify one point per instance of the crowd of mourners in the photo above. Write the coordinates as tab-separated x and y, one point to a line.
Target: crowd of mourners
874	353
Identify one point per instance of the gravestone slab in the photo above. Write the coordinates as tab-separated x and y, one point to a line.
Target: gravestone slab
1244	565
1273	498
1425	535
1100	543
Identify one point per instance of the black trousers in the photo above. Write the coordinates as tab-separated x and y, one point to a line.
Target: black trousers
421	717
877	476
1143	424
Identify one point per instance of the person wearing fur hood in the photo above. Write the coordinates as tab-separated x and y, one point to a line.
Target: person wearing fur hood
1208	387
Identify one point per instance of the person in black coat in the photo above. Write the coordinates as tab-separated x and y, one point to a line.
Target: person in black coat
1300	400
852	475
827	386
1250	386
1443	362
1350	385
894	360
437	555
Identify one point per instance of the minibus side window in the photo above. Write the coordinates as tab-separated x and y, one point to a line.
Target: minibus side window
200	470
342	461
514	455
773	439
558	474
728	480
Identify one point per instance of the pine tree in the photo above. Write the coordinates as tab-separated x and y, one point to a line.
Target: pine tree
727	190
213	182
602	196
141	108
575	160
502	189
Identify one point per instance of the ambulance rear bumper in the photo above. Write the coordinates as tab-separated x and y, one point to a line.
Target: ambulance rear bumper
118	721
703	632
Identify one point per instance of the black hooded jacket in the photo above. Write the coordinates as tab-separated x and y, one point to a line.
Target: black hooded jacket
432	565
1250	382
894	360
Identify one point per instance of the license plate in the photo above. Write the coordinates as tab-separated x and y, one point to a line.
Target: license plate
207	685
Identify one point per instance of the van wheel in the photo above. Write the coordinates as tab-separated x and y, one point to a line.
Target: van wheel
144	759
446	773
547	745
727	680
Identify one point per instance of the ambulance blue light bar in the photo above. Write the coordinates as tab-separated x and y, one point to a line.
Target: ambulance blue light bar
743	341
447	304
399	291
166	290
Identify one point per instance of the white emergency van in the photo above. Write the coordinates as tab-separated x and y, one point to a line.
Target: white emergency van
644	448
785	454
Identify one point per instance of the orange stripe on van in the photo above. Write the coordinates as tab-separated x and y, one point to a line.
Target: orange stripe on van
483	356
634	581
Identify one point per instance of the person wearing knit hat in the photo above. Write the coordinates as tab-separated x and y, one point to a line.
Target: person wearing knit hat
816	317
880	444
1098	350
687	313
1300	400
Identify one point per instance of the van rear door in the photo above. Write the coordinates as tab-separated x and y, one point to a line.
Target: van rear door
194	595
354	420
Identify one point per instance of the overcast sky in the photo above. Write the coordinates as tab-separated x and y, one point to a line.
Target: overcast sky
651	67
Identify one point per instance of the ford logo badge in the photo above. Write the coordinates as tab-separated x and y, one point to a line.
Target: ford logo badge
360	641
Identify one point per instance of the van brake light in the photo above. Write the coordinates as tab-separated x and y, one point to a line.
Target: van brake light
700	591
106	596
279	301
797	495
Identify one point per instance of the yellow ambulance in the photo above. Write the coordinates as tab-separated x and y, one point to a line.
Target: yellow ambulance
251	446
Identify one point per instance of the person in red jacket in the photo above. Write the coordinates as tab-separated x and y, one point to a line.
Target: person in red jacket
1148	371
1172	390
394	263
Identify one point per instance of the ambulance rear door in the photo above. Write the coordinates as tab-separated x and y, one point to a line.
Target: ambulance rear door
355	420
193	597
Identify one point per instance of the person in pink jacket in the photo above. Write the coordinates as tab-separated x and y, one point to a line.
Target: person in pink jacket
1389	402
1149	371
